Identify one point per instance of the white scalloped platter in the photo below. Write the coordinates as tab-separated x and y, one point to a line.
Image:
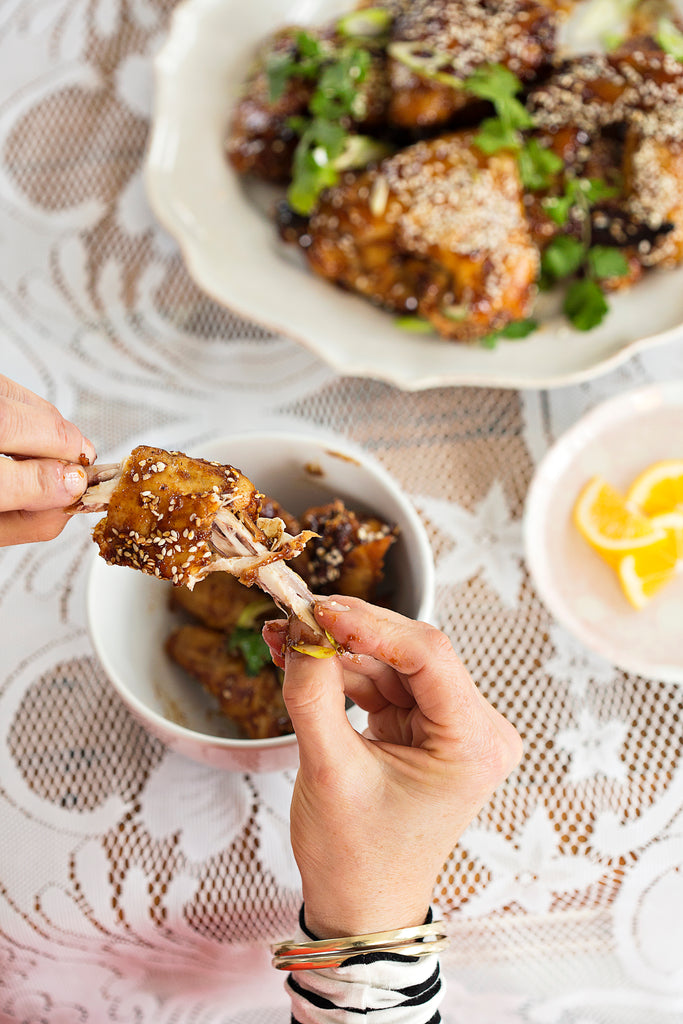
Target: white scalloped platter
617	440
233	253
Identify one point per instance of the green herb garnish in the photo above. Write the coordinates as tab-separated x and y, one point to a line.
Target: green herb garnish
562	257
513	332
369	23
253	648
414	324
585	304
606	261
497	84
306	62
255	610
579	193
325	146
538	166
670	38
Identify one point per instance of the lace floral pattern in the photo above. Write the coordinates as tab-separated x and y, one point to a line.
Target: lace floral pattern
135	885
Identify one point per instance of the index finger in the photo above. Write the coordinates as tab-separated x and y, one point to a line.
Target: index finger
39	430
418	652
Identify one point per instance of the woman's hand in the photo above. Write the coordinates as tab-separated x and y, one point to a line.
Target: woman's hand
373	820
41	466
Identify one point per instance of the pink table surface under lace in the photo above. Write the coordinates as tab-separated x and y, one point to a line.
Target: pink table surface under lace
138	886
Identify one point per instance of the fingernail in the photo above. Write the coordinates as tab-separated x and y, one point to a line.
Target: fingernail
88	450
332	605
75	480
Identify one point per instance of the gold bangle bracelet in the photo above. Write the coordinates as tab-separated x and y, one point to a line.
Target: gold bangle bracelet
305	956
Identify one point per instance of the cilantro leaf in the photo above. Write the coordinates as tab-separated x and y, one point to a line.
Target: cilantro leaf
538	165
494	134
585	304
304	63
253	648
579	192
606	261
518	329
513	331
493	82
562	257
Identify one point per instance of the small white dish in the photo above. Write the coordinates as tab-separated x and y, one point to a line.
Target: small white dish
232	251
129	616
616	440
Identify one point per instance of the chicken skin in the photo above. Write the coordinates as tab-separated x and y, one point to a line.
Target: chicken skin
451	38
438	230
619	118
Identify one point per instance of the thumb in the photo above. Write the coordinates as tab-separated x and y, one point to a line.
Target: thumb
313	691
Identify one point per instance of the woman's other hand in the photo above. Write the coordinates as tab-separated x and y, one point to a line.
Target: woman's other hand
41	466
374	818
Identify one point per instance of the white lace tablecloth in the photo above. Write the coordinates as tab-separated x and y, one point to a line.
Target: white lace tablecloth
136	886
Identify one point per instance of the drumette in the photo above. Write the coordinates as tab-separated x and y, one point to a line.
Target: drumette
181	518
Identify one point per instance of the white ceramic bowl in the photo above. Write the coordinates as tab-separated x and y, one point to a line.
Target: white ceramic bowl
616	440
129	618
232	251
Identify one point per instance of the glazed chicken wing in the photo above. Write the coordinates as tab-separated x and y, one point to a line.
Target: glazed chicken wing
260	139
180	518
619	118
434	38
253	702
437	230
348	553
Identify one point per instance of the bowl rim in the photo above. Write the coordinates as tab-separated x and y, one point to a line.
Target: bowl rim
157	722
166	194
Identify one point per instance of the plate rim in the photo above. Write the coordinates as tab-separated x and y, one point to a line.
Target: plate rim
560	453
154	175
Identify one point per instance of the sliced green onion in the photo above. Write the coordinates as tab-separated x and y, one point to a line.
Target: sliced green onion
253	611
359	151
415	324
366	24
429	64
670	38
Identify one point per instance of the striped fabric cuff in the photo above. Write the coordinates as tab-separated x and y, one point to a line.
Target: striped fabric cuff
384	988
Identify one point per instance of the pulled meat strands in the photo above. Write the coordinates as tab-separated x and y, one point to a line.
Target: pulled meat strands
180	518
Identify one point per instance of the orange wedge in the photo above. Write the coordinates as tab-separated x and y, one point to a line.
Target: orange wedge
672	524
659	488
613	527
644	572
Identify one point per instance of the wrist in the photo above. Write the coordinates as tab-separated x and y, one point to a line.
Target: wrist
324	920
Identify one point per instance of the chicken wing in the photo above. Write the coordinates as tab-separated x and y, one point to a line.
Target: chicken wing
253	702
180	518
437	230
619	118
433	40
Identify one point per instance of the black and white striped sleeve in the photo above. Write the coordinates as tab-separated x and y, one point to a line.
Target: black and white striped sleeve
376	988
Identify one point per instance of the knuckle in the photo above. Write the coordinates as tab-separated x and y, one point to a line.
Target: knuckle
438	642
9	423
500	750
491	747
46	476
61	429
